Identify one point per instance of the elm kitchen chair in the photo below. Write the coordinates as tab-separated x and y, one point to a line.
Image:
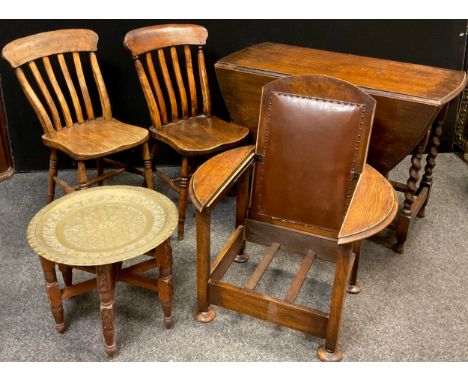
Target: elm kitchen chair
180	122
312	193
88	136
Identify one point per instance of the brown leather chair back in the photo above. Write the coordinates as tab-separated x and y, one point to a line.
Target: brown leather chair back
313	137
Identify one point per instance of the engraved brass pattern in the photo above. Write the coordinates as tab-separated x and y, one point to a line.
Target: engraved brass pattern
102	225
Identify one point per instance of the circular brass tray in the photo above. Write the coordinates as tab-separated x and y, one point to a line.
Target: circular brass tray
102	225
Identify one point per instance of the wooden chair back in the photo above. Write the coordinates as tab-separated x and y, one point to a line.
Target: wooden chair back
312	139
155	44
48	53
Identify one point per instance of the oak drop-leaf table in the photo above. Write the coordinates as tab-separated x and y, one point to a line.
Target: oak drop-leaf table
412	101
95	230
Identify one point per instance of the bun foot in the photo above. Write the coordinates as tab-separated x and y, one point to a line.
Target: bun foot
327	356
242	258
205	317
354	289
399	247
60	327
110	350
168	322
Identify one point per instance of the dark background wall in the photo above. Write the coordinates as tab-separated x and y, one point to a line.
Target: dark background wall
439	43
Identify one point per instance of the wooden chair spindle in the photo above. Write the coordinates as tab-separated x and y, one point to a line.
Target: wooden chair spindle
167	81
83	86
180	82
58	92
191	81
157	88
71	88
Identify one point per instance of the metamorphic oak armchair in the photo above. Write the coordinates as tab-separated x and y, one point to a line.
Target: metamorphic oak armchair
82	136
179	121
312	193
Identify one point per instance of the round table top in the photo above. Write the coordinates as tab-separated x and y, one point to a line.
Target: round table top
102	225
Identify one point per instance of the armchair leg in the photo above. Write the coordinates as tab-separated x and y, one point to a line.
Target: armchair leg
164	258
183	194
402	231
203	311
52	175
354	286
331	351
53	292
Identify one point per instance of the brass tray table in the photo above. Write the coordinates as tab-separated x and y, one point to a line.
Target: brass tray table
95	230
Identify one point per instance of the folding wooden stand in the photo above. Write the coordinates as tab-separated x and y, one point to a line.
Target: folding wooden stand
95	230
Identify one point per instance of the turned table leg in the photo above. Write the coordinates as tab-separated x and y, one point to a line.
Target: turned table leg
164	258
422	193
106	288
431	156
331	351
54	293
405	215
67	274
203	311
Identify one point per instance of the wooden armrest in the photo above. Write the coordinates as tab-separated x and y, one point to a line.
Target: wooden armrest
214	177
372	208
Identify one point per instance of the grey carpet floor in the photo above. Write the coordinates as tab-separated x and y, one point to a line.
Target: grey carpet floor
413	307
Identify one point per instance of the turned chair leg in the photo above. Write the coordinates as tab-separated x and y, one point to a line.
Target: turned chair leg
148	166
67	274
183	194
203	311
354	286
52	174
100	170
54	293
106	288
154	153
331	351
164	259
82	178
